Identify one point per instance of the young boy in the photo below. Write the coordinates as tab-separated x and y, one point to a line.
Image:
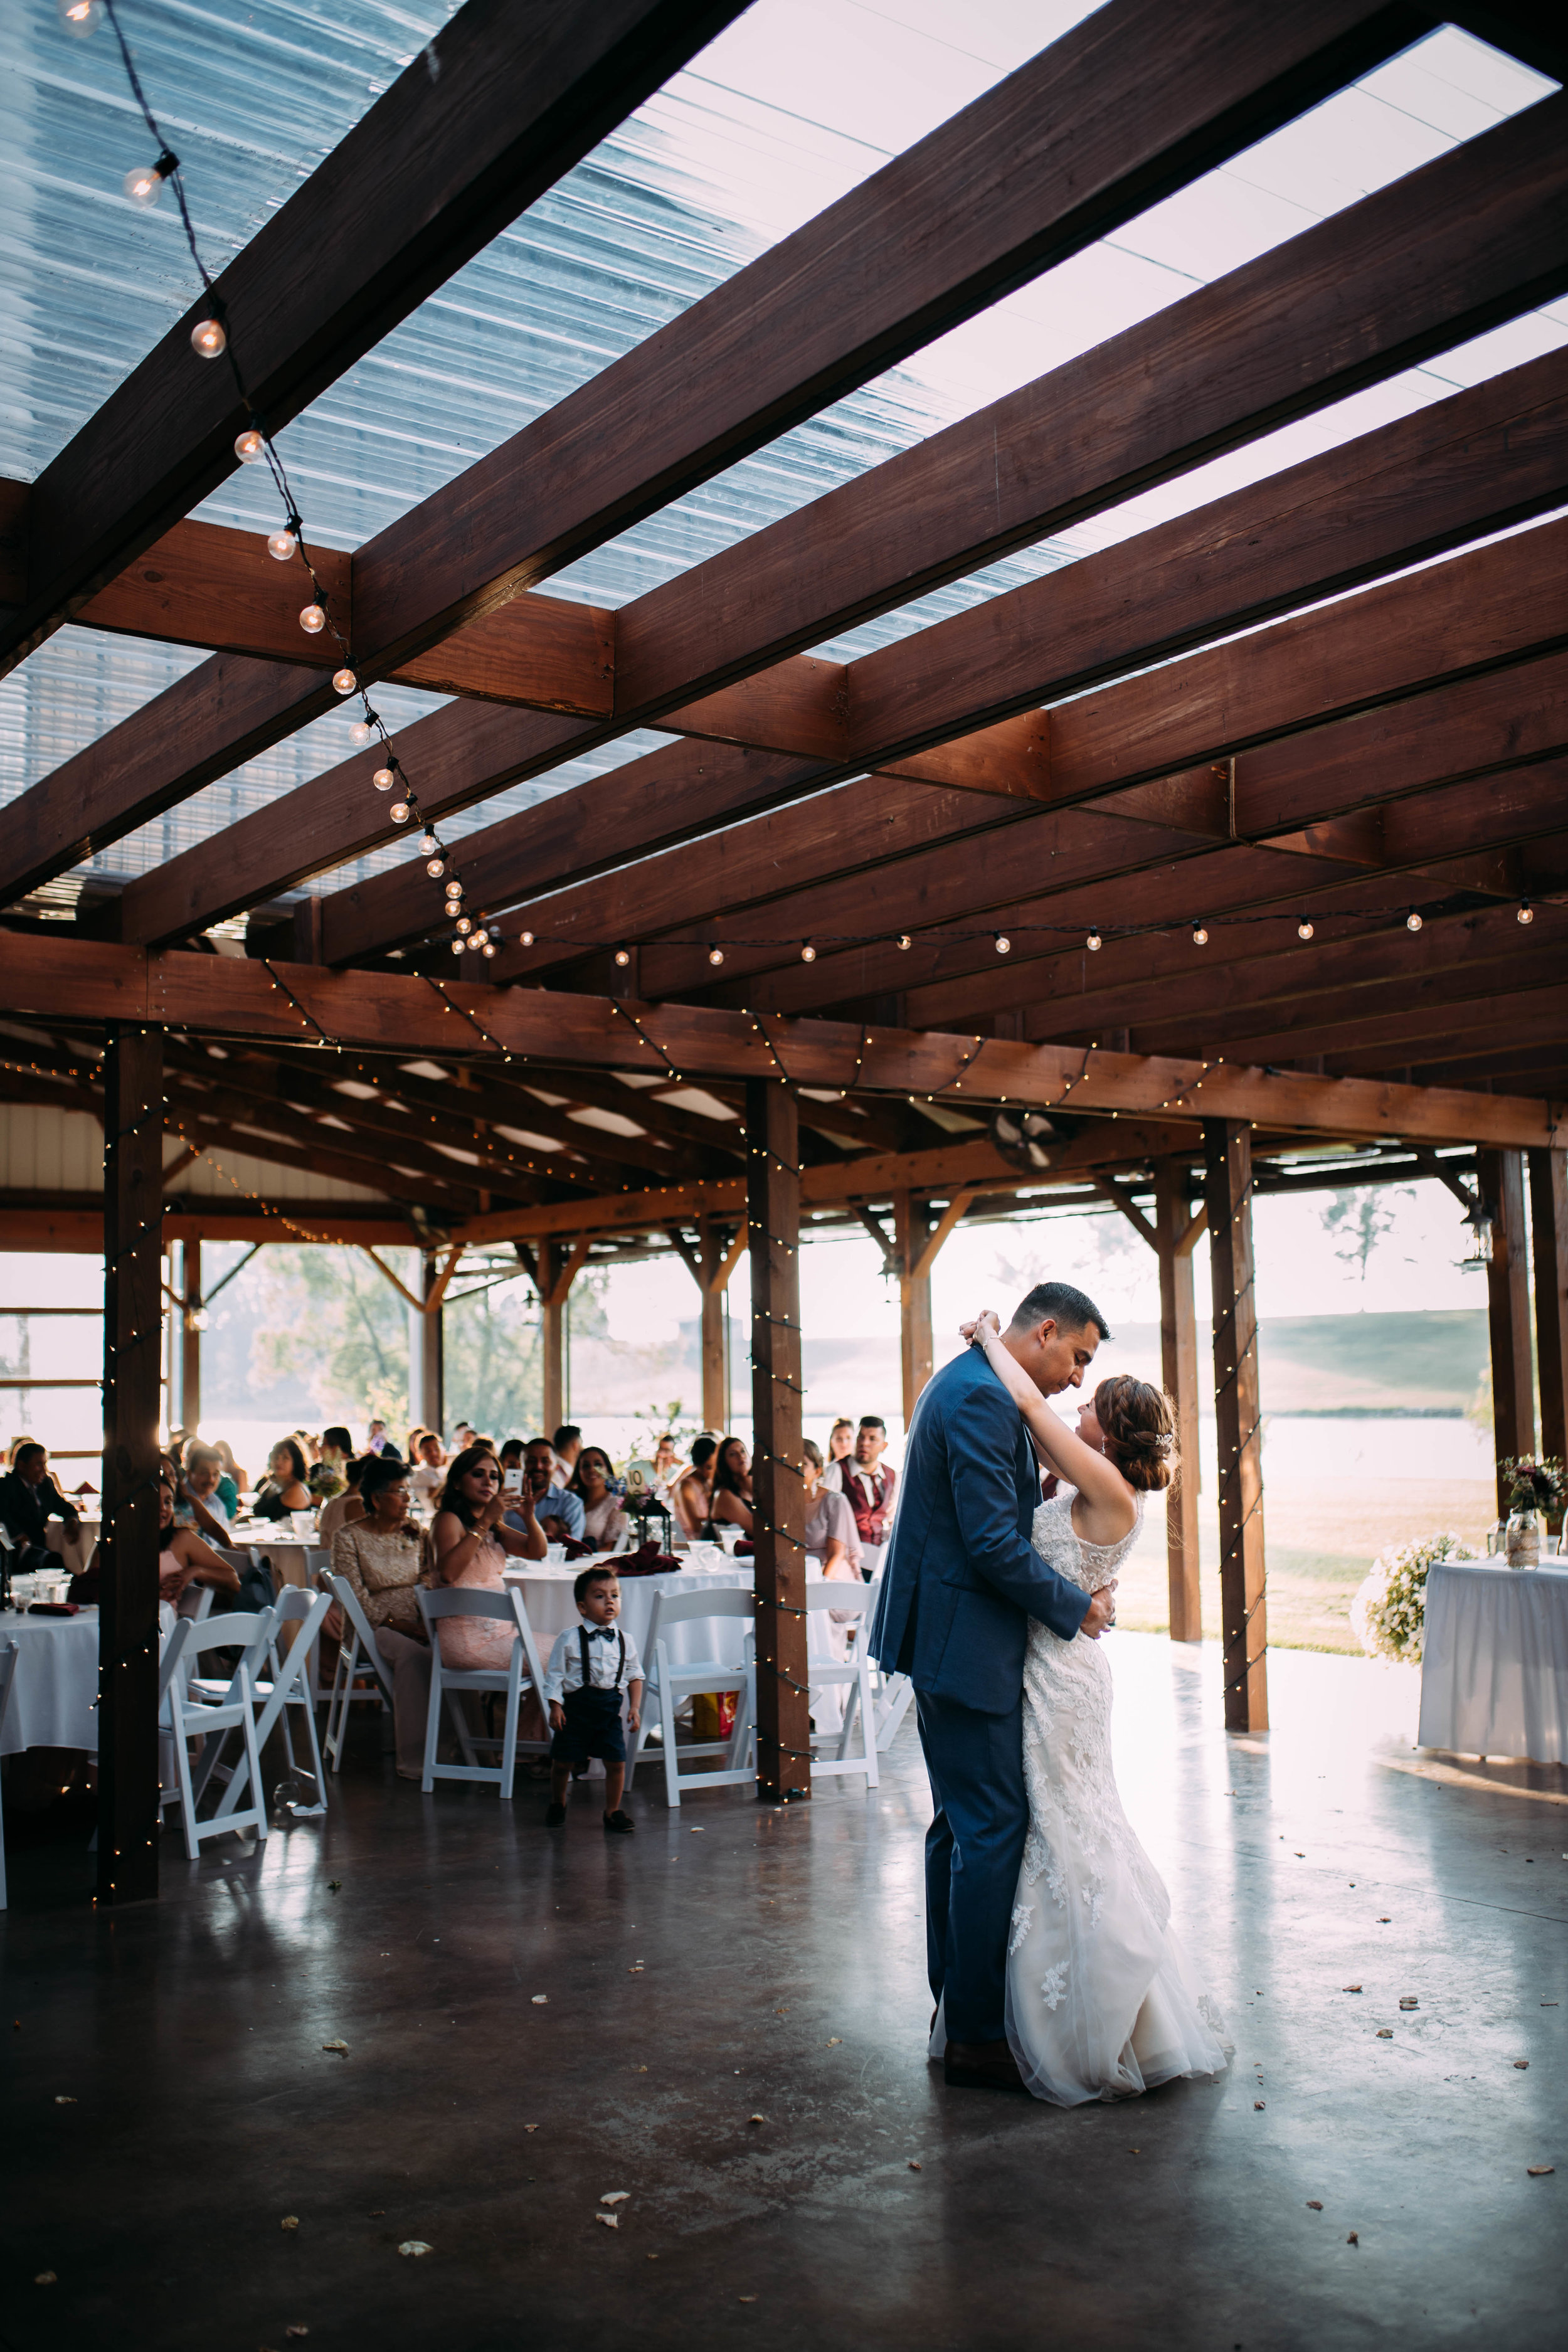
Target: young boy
589	1668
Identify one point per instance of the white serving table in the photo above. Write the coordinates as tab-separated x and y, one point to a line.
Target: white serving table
56	1681
1494	1667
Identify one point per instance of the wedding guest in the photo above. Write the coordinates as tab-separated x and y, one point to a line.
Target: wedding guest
346	1509
235	1481
840	1445
471	1539
428	1475
869	1483
283	1489
667	1463
184	1562
731	1501
380	1556
568	1443
691	1491
327	1477
376	1442
603	1520
591	1664
29	1498
830	1527
202	1487
463	1436
557	1510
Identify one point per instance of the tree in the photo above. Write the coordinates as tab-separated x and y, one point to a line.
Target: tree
1361	1216
329	1319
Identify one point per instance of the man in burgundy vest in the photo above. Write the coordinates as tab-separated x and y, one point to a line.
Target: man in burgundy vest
869	1484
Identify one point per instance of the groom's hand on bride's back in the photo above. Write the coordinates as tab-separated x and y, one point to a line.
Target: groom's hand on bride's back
1101	1613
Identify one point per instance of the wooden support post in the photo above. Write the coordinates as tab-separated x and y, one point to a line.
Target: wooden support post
1177	1230
1549	1222
713	1274
128	1547
191	1340
426	1358
1244	1630
1508	1312
772	1218
557	1272
910	1236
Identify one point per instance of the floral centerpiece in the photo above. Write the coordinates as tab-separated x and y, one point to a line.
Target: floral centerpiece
1388	1615
1535	1489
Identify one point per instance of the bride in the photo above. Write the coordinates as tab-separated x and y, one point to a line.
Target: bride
1101	2003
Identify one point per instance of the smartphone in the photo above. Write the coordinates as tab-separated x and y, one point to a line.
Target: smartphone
511	1482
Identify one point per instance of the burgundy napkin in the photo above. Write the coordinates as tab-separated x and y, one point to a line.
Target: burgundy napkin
647	1561
744	1549
53	1609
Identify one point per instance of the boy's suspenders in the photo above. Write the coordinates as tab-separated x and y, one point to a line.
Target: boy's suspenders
587	1670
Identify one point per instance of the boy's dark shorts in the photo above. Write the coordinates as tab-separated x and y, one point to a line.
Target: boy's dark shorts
593	1727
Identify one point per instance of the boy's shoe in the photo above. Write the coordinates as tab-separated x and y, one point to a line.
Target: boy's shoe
554	1817
621	1824
579	1771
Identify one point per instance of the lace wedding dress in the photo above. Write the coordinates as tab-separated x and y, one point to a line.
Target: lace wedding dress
1101	2003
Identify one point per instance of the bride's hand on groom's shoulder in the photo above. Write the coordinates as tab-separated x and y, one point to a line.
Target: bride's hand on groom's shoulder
977	1326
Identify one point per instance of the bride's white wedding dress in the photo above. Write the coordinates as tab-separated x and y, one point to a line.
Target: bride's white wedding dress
1101	2003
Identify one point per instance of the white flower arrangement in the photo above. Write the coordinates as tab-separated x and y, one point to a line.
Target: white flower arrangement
1388	1615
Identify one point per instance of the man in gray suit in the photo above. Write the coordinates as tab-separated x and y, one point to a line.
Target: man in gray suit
960	1583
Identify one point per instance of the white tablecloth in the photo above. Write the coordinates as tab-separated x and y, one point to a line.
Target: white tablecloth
56	1684
547	1597
1494	1669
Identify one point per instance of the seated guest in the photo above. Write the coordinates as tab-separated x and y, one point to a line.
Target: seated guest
381	1555
840	1445
376	1442
731	1501
184	1562
283	1489
557	1511
202	1487
428	1475
470	1541
869	1483
29	1499
327	1475
603	1520
830	1527
691	1489
463	1436
346	1509
667	1463
235	1481
568	1443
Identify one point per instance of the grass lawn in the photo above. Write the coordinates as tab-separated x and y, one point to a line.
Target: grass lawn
1320	1546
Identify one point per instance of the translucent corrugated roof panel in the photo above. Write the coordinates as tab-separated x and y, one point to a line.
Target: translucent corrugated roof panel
733	153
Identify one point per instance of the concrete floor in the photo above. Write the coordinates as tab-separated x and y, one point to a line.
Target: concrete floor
733	1962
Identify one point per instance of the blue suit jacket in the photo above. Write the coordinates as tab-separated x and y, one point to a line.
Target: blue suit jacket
961	1580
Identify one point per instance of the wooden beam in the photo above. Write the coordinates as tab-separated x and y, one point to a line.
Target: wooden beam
128	1544
502	102
191	1305
715	1265
772	1219
1177	1230
558	1270
1549	1222
1109	1189
1213	393
956	1208
1238	1413
427	1354
1507	1315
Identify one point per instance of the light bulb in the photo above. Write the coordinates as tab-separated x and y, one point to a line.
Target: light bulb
715	955
80	16
464	927
344	681
144	185
1304	929
623	957
312	620
248	446
399	812
1413	920
428	843
1094	943
382	780
457	946
435	868
807	953
362	731
489	947
1004	944
208	340
525	939
281	545
1526	912
1200	935
905	940
481	936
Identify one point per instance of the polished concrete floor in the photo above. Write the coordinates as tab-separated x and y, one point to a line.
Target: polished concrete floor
725	2018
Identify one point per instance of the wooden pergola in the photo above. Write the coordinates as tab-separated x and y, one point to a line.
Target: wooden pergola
1243	838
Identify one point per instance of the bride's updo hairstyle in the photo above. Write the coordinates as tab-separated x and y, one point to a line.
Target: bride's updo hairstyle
1140	1431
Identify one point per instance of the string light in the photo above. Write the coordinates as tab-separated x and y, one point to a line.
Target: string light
400	811
312	620
807	953
1413	920
1094	943
904	940
623	957
1304	929
525	939
715	955
344	682
383	779
282	546
248	446
1526	912
208	340
1200	935
1002	943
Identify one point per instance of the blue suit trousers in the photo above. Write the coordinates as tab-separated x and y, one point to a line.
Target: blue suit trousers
973	1850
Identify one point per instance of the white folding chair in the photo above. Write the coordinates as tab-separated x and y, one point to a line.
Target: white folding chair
670	1685
359	1660
448	1682
288	1686
8	1657
851	1674
198	1711
169	1661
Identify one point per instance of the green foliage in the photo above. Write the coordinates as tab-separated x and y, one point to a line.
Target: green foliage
329	1320
1361	1218
494	1361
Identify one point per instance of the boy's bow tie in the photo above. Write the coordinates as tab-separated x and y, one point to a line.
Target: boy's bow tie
601	1632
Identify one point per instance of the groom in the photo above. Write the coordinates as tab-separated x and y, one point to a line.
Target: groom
959	1586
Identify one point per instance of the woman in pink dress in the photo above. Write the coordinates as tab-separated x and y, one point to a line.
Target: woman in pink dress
470	1543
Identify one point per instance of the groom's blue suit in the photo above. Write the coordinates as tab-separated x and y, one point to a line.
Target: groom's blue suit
959	1585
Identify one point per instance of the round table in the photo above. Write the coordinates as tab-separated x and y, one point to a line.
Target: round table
52	1699
1494	1665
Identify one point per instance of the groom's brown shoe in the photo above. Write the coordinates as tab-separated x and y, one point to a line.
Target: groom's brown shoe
980	2066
